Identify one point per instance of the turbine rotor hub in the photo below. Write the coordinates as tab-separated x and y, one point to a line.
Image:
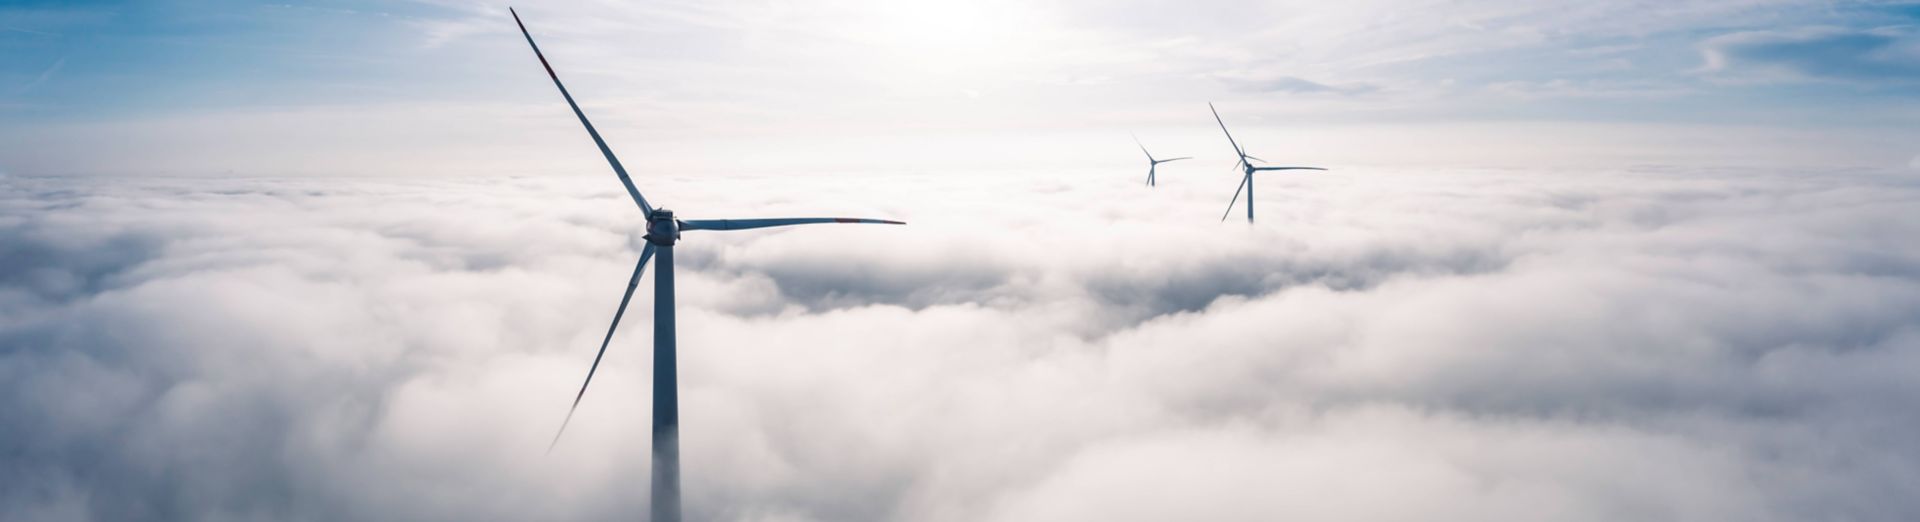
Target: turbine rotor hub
662	228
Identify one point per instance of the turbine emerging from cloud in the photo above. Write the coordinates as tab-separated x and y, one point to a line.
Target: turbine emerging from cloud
1154	164
1246	179
663	230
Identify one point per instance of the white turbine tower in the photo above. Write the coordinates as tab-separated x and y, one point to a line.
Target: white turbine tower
1153	164
1246	179
662	231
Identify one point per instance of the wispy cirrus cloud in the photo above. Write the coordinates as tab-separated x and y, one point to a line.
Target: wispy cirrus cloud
45	75
1561	88
1260	82
1867	56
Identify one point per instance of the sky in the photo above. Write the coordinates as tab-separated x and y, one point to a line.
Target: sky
445	87
1573	261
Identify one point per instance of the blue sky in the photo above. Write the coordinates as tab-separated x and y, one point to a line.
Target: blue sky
447	87
114	60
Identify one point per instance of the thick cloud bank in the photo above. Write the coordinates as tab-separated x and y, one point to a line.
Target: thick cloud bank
1656	344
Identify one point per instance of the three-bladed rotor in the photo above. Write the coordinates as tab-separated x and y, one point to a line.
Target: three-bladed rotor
1153	164
663	231
1247	169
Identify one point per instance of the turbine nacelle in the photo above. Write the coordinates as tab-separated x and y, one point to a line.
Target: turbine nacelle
662	228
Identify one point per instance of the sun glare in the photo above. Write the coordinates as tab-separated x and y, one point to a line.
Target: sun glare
952	37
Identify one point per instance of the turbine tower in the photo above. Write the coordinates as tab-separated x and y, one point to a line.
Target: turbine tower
1153	164
663	230
1246	179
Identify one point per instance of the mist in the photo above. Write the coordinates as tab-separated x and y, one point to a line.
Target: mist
1658	343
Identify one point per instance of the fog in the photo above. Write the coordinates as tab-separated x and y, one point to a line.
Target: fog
1658	343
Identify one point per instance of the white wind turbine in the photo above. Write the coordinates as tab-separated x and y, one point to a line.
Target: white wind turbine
662	231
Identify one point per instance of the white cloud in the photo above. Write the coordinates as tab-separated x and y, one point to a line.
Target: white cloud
1384	345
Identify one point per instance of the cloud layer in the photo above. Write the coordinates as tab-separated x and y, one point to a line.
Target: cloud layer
1655	344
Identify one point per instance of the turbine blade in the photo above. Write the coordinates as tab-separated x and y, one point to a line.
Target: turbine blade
1288	168
1255	158
1143	148
1174	159
1223	129
744	224
611	160
646	254
1236	197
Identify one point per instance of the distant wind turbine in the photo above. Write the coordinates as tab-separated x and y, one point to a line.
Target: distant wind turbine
662	231
1154	164
1246	179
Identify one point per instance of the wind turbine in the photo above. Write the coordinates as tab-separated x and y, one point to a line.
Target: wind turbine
662	231
1153	164
1246	180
